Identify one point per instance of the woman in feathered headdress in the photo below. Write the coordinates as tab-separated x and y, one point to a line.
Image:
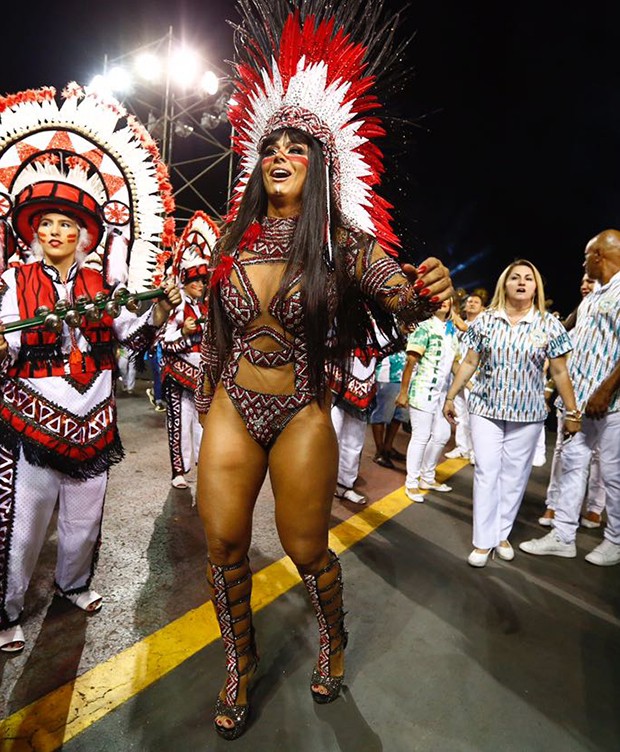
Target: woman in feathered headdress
300	263
68	177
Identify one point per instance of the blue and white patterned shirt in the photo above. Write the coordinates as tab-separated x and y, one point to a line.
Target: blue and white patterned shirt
510	379
596	339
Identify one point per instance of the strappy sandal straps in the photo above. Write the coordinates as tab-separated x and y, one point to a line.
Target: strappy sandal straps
325	589
231	589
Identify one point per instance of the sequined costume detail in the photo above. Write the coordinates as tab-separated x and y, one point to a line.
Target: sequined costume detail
266	371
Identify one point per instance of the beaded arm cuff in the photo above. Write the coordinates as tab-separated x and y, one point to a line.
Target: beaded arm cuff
209	372
381	278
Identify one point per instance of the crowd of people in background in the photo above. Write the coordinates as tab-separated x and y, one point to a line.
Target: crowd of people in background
485	373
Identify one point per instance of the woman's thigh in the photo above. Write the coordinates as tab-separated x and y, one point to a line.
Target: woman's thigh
303	465
231	471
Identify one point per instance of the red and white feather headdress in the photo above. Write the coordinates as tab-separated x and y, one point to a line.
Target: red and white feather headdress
193	250
88	154
314	67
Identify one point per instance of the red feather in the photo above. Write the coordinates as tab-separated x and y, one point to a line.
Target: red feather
222	270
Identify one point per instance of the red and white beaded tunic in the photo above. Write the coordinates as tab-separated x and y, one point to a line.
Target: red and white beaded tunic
181	354
58	402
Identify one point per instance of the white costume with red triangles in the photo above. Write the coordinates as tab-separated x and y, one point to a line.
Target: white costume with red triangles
181	351
58	437
181	358
97	168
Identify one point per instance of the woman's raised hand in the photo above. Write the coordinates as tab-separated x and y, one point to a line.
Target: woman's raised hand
431	279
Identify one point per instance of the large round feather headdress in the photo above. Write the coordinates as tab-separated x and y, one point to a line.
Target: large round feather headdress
314	67
88	155
194	248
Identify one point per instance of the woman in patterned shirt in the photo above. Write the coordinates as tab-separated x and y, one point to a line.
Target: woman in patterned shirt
509	346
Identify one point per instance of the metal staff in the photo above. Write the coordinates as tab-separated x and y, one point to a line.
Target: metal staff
83	307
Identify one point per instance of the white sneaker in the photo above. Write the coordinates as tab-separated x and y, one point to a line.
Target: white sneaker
179	482
545	521
549	545
606	554
348	494
478	559
414	495
455	454
441	487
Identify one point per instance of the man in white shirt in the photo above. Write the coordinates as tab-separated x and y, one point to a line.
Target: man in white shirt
594	367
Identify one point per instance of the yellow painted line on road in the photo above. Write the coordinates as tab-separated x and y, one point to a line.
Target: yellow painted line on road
46	724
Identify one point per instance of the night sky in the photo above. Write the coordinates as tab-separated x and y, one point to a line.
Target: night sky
515	112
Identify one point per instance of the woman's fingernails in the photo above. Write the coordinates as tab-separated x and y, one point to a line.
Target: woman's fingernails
418	284
421	270
435	299
425	291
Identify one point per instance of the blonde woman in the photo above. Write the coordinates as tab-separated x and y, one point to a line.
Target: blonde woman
508	347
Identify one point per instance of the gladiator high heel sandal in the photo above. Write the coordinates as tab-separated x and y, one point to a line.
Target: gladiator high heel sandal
325	589
239	646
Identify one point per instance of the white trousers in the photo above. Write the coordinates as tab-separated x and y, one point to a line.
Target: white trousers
595	499
576	456
540	455
35	492
191	434
462	435
504	452
127	368
351	434
430	433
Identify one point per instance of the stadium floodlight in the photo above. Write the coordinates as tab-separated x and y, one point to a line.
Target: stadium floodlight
149	67
184	67
209	83
118	80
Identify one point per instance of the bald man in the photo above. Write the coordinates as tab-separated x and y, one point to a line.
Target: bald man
594	368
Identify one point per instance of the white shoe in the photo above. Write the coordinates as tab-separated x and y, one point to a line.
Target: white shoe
478	558
505	552
606	554
414	495
12	639
348	494
545	521
455	454
441	487
89	601
179	482
549	545
591	520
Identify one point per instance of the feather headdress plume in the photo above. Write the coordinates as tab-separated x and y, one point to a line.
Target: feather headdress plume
194	248
88	156
314	66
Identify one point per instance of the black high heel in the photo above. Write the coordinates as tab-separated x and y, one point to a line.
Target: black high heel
238	714
230	613
325	589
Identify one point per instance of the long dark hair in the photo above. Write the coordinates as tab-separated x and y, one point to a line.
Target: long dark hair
326	293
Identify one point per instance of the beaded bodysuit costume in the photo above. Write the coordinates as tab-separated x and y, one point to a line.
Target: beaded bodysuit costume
266	371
